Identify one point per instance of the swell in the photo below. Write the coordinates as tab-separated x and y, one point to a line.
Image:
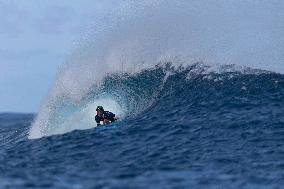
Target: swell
166	90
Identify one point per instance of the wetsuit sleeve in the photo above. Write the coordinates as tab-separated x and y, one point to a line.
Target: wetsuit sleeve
109	115
98	119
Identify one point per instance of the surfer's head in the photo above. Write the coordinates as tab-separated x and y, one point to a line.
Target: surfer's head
100	110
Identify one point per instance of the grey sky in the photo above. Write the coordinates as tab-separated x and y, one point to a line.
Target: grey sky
35	36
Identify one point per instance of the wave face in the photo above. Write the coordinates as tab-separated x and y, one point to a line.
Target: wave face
181	126
130	95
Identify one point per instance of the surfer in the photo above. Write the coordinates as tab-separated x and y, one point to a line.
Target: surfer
105	116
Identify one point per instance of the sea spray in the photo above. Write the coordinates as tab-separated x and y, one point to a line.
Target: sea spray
137	36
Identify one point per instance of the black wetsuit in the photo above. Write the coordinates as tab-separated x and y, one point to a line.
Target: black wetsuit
106	115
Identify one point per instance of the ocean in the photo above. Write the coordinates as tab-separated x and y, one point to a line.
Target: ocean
179	128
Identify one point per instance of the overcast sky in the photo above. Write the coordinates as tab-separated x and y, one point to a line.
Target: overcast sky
35	37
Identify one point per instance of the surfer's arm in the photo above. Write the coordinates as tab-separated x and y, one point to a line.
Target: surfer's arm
98	120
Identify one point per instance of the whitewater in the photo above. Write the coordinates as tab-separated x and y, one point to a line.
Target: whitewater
198	87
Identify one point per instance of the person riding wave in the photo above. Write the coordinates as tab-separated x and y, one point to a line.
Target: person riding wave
105	116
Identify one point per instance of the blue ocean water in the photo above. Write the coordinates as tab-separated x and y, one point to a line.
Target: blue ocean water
199	130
